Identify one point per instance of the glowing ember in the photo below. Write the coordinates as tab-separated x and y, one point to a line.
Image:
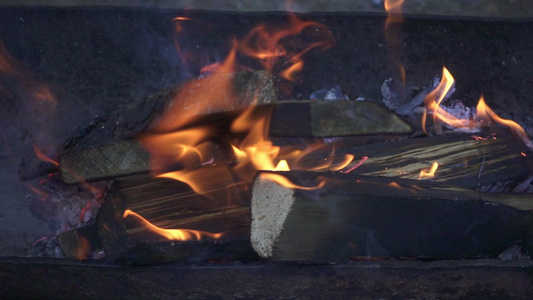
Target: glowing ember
83	248
284	181
429	173
173	234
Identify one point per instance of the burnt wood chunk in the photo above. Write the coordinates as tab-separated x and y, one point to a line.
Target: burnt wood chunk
170	204
334	118
359	216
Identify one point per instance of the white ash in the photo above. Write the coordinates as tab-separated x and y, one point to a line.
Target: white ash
334	93
390	97
513	253
64	207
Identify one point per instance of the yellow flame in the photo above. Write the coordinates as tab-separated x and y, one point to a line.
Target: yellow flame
284	181
348	158
434	99
485	114
429	173
290	72
173	234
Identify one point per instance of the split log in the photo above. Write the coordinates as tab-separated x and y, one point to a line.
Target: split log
313	119
79	243
334	118
463	161
359	216
170	204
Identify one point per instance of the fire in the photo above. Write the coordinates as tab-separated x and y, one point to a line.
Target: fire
173	234
199	96
433	101
273	47
83	249
43	156
284	181
484	114
429	173
394	15
348	158
180	151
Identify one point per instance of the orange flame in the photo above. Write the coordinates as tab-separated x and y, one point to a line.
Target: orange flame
83	249
179	29
348	158
485	114
173	234
270	45
433	101
394	16
429	173
199	96
284	181
179	151
290	72
43	156
39	192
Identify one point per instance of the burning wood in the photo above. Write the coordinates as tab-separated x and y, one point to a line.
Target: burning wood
159	206
357	216
205	141
315	119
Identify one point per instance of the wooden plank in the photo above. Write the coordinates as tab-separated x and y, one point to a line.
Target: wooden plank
359	216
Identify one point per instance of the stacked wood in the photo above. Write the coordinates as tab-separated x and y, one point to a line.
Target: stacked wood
360	216
314	119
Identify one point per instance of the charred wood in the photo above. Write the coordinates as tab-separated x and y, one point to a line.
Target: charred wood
359	216
463	161
313	119
170	204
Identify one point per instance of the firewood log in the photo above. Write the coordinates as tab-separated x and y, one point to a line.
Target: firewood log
359	216
463	161
313	119
170	204
80	242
